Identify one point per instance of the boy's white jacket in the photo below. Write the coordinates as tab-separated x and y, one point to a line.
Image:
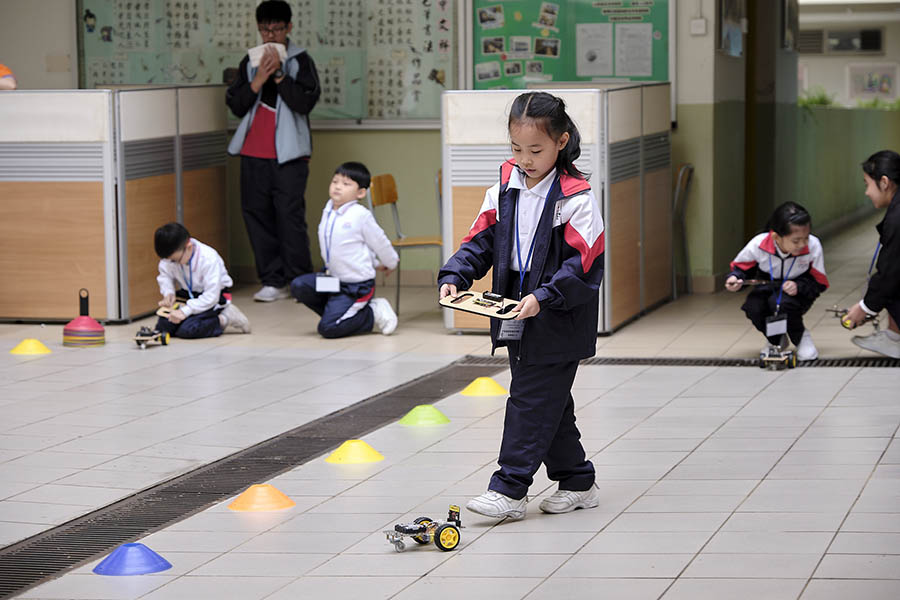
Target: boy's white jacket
761	251
353	244
209	276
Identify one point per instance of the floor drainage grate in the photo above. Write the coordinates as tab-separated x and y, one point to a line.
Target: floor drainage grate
49	554
866	361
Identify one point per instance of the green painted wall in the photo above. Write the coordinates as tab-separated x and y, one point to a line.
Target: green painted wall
728	189
831	144
412	157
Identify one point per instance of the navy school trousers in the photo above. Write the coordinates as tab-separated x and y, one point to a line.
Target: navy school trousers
760	303
343	313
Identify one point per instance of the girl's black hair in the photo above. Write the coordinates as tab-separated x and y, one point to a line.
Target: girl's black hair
273	11
549	112
786	216
357	172
169	238
885	163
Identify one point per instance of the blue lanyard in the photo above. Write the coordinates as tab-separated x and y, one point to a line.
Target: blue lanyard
524	267
190	282
874	256
329	235
783	279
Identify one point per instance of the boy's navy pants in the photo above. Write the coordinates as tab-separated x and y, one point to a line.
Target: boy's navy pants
540	428
343	313
200	325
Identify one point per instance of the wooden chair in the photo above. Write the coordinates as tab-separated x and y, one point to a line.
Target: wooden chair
383	190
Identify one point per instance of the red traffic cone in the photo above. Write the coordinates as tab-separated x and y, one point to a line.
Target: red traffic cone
83	331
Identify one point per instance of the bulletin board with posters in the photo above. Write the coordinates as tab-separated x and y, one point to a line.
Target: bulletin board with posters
376	59
519	42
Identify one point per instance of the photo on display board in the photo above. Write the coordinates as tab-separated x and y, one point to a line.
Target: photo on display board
492	45
534	67
487	71
512	68
520	45
548	47
548	16
870	81
491	17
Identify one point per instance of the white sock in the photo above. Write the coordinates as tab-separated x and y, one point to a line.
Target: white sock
892	335
223	321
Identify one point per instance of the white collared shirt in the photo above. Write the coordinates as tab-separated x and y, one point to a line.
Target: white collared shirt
353	244
530	207
205	272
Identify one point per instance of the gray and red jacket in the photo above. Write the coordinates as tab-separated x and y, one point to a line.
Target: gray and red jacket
760	259
566	268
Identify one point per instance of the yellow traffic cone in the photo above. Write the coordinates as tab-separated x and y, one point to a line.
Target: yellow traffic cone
30	346
354	452
424	414
484	386
261	497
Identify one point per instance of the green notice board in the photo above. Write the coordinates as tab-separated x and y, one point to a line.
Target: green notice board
377	59
525	41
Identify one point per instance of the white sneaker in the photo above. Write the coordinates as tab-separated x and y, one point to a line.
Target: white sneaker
270	293
496	505
563	501
806	350
878	342
385	318
235	319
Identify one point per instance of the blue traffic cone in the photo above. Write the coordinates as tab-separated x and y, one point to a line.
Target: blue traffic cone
132	559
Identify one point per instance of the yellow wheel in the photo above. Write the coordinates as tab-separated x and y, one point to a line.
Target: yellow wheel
422	538
164	340
446	537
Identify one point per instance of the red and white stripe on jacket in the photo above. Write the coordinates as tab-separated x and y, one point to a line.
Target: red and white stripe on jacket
577	210
761	249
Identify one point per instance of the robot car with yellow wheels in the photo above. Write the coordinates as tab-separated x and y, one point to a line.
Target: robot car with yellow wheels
424	530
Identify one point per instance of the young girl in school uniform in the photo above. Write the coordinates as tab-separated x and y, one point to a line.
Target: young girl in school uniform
789	256
540	229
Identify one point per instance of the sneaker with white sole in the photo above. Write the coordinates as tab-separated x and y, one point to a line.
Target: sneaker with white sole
496	505
385	317
879	342
806	350
235	319
270	293
563	501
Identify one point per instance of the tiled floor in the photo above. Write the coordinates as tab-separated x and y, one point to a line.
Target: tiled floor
716	482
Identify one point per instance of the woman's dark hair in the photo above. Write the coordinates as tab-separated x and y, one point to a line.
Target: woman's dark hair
273	11
355	171
549	113
885	163
169	238
786	216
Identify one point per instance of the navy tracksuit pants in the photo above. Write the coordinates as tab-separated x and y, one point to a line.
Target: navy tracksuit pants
760	303
201	325
333	307
540	427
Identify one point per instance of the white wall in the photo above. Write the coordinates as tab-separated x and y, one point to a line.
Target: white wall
830	72
695	55
38	42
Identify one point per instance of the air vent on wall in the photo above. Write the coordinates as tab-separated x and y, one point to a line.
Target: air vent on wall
811	41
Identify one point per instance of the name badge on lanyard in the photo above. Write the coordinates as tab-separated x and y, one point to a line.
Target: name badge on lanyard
325	282
776	325
511	330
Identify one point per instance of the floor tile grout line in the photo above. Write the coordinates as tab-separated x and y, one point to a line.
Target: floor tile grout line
750	493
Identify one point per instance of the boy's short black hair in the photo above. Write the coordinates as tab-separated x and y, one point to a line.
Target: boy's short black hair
273	11
169	238
357	172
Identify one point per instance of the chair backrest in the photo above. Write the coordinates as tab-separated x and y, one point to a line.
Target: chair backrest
383	189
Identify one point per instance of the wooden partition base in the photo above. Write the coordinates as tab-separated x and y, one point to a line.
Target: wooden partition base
204	207
149	203
624	223
657	236
467	201
53	237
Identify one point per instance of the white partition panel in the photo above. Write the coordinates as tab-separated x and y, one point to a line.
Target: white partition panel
58	117
201	109
656	109
146	114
